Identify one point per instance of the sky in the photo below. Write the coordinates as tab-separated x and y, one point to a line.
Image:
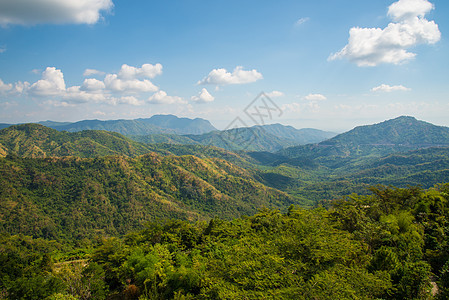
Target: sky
325	64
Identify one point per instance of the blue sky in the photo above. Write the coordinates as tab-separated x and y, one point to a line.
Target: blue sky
328	64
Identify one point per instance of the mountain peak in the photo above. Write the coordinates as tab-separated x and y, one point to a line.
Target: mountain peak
404	130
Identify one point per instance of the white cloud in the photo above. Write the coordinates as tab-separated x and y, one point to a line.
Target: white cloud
131	100
409	9
76	94
203	97
275	94
2	49
58	103
90	72
92	84
21	87
5	87
51	84
387	88
114	89
161	97
315	97
147	70
127	79
114	83
301	21
292	107
238	76
373	46
99	113
26	12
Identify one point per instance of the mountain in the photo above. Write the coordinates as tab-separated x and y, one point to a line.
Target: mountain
157	124
299	136
269	138
125	127
180	125
4	125
34	140
74	198
396	135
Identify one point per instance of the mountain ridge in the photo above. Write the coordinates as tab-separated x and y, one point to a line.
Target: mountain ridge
399	134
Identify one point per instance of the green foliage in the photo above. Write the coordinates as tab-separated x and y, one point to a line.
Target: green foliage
73	198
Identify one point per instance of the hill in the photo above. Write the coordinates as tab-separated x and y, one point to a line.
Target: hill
269	138
396	135
34	140
299	136
180	125
157	124
74	198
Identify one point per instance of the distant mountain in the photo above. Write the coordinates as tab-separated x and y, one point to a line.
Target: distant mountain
157	124
125	127
4	125
269	138
180	125
34	140
400	134
299	136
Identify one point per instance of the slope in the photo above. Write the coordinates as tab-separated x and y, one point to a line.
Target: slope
76	198
34	140
396	135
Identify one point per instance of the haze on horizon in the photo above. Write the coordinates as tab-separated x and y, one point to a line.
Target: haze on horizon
330	65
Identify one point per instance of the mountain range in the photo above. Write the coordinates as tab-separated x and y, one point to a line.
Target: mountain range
173	130
401	151
157	124
400	134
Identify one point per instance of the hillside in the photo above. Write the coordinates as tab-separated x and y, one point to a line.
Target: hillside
180	125
269	138
299	136
396	135
73	198
34	140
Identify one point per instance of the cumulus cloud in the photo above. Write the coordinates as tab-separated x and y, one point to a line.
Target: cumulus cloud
238	76
25	12
275	94
373	46
387	88
203	97
147	70
92	84
21	87
116	84
128	79
90	72
5	87
2	49
315	97
51	84
131	100
161	97
125	87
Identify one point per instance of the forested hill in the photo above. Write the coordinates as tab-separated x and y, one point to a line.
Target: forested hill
34	140
75	198
400	134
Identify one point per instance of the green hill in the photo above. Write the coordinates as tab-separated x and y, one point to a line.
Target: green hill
180	125
34	140
74	197
396	135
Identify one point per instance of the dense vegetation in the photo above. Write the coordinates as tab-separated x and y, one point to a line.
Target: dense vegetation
390	245
34	140
95	215
76	198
